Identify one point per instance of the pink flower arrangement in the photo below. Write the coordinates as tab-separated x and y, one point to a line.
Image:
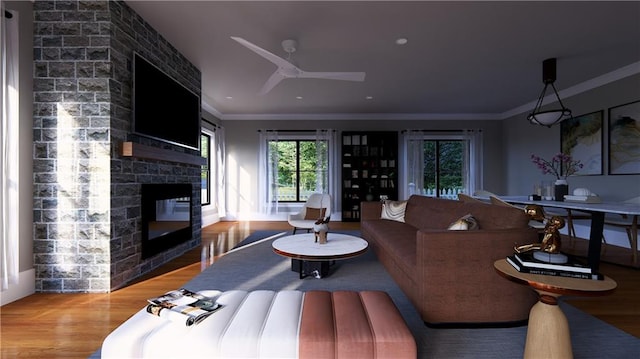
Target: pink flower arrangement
561	165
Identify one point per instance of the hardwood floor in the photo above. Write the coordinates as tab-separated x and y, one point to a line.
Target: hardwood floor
74	325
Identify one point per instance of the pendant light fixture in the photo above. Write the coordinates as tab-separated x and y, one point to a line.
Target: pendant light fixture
549	117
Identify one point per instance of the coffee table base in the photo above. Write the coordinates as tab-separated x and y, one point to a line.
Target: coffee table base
318	269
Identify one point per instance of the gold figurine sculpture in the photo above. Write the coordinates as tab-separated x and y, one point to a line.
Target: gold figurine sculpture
551	239
535	212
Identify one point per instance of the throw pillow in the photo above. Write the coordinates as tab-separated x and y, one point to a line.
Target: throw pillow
393	210
314	213
465	223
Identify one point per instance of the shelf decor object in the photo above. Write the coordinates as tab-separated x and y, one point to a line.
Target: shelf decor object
624	140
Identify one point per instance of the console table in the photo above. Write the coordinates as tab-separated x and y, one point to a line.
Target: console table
597	211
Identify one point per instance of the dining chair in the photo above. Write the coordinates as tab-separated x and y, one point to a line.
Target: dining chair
629	224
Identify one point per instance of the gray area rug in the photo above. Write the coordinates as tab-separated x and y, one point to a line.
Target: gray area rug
255	266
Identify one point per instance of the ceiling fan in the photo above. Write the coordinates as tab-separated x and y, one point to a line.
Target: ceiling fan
287	70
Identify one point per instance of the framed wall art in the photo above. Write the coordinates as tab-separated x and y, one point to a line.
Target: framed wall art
624	139
581	138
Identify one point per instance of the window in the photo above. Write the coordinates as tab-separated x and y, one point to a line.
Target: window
205	152
299	167
442	164
443	167
294	164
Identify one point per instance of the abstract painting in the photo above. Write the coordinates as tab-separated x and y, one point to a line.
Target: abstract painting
581	138
624	139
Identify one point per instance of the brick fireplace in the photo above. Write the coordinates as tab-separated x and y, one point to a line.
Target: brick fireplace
87	195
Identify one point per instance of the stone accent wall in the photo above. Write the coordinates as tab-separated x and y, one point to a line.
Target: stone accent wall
86	196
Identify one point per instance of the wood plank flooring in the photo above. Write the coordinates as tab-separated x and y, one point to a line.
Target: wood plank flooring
74	325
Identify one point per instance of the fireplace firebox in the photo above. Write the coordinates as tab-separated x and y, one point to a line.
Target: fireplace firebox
166	216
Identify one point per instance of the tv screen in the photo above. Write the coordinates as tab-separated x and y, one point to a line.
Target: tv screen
162	108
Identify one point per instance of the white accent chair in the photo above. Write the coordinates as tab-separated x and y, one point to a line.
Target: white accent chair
305	219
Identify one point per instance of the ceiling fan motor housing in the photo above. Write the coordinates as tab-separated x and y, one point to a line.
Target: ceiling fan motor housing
289	45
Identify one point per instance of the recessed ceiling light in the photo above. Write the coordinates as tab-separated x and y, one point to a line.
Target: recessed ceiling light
401	41
229	97
369	97
298	97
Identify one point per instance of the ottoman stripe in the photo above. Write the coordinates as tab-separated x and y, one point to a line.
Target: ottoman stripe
392	338
353	332
317	337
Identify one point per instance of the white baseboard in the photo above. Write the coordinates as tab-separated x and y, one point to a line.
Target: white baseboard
25	287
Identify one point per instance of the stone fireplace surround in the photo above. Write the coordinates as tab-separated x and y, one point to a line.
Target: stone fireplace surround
87	195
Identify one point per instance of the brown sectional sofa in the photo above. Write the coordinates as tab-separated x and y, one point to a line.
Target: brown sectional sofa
448	275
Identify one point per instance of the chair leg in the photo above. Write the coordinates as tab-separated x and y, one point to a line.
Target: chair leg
633	239
294	230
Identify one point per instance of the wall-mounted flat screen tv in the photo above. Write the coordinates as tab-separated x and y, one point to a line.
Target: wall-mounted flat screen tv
164	109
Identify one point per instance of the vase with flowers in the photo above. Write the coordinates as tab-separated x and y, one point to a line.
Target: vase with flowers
561	166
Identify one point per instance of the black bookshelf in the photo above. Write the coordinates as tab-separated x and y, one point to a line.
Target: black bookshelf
369	169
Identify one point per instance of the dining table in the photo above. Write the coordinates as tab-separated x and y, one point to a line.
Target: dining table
597	211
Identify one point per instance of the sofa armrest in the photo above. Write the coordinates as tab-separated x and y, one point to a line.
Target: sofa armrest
459	264
370	210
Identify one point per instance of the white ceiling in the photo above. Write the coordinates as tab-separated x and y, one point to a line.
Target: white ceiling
463	60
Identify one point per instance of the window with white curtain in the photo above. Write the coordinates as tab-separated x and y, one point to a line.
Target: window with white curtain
205	152
212	148
442	163
295	164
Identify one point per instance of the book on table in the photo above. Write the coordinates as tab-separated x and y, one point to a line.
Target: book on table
573	264
182	305
552	272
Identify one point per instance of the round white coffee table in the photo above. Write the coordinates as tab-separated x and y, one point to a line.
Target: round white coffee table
309	257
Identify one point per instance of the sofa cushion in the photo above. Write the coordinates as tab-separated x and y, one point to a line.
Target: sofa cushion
464	223
393	210
437	213
314	213
396	238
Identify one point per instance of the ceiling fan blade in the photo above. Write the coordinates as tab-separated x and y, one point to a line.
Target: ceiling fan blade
346	76
273	80
278	61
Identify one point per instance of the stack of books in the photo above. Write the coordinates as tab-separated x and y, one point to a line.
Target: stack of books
573	268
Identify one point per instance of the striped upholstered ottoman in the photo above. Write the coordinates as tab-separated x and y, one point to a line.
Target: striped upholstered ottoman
269	324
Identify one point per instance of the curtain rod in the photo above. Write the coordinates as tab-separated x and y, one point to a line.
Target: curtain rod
479	130
211	123
293	130
7	14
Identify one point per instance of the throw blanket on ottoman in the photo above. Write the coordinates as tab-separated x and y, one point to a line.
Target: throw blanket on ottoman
269	324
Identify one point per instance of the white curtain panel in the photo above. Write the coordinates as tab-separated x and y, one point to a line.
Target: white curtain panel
268	173
327	182
414	179
221	171
9	152
473	174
